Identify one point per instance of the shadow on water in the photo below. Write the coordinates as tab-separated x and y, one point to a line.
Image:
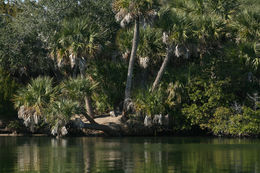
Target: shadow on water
165	154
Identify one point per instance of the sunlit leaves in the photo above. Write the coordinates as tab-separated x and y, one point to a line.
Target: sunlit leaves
37	94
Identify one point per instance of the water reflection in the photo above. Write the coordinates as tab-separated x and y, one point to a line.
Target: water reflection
28	157
176	155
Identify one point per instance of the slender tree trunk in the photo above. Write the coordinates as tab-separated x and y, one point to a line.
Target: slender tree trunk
89	107
162	69
144	78
108	130
89	118
90	113
131	63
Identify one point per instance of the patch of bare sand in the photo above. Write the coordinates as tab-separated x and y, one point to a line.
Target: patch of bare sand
102	119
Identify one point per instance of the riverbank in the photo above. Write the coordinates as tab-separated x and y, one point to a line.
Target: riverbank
131	127
80	126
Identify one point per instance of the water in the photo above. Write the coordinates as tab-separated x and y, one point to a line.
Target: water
167	154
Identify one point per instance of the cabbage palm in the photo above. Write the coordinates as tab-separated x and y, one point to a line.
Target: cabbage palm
192	27
177	29
59	113
248	24
37	94
79	89
34	98
150	46
126	12
78	40
149	50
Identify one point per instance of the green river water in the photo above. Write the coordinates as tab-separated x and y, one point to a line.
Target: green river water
142	154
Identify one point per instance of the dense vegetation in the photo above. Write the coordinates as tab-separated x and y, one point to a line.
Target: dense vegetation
196	61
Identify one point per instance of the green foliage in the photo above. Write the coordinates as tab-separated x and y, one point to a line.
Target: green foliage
150	42
55	105
251	123
220	121
15	126
150	103
38	94
209	106
30	40
248	35
77	88
7	88
111	77
204	98
79	37
165	100
225	8
227	122
60	111
135	7
215	56
177	24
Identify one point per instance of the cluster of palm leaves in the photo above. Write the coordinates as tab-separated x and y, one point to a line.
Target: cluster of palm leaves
159	102
54	105
150	43
78	40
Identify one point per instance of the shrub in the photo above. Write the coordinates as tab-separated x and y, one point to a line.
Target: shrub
162	101
33	99
15	126
204	97
110	92
227	122
7	88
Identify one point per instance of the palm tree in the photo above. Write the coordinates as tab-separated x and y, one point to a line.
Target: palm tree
40	101
33	99
79	89
177	29
247	37
59	113
193	28
128	11
149	50
79	39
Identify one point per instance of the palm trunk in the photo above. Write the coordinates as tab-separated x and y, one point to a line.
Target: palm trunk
144	78
131	62
89	118
107	129
162	69
89	107
90	113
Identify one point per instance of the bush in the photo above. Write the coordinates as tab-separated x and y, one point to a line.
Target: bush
40	103
32	100
166	100
15	126
220	123
228	123
7	88
250	122
111	77
204	97
150	103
